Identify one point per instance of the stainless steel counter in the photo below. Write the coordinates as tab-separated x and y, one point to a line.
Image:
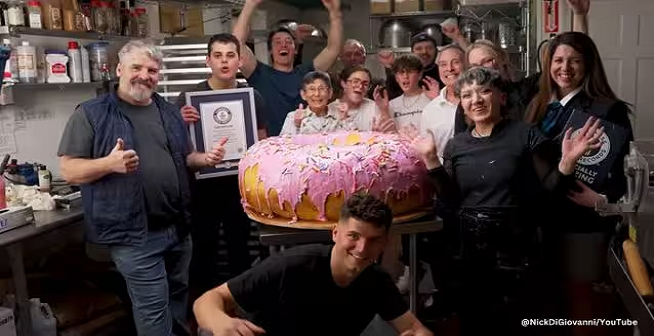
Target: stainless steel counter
44	221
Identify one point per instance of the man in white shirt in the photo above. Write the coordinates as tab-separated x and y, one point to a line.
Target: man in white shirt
438	116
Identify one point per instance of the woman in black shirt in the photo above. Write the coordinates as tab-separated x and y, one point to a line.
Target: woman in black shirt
491	173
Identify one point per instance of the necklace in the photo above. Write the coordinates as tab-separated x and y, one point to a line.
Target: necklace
477	134
414	102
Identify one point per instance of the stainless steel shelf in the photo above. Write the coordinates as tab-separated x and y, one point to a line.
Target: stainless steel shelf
413	14
19	31
55	86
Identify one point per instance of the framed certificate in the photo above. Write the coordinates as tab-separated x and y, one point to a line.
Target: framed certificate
223	114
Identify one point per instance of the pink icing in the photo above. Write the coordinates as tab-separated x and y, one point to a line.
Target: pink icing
311	163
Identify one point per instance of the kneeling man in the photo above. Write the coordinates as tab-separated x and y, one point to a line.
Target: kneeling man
316	289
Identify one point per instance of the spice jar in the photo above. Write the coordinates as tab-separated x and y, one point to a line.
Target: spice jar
52	17
142	29
34	16
101	19
15	13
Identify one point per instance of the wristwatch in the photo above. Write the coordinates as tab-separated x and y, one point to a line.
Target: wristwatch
602	204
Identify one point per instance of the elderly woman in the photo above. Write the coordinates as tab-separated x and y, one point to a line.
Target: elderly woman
493	174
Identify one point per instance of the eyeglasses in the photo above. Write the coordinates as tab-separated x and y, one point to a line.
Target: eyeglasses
320	89
356	82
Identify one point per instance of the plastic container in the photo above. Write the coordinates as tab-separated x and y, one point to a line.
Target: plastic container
86	66
34	17
15	13
11	66
98	57
75	66
45	177
26	63
57	62
43	321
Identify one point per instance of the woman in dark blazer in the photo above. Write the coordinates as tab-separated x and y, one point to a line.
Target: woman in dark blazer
573	85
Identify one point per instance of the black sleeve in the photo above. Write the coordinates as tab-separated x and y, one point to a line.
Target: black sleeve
529	88
391	305
258	286
444	180
544	153
181	100
392	87
298	55
260	106
616	186
77	139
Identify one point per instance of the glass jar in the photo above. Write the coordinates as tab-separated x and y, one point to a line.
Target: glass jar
34	15
16	13
98	57
142	24
100	18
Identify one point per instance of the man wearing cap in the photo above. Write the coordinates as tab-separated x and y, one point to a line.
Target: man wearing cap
423	46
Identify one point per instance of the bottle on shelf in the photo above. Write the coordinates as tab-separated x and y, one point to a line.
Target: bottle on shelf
75	65
45	179
52	16
11	67
86	65
26	63
34	14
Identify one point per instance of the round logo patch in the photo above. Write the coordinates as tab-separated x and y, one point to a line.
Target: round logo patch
595	156
222	115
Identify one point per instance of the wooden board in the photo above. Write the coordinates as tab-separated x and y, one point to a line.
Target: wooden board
317	225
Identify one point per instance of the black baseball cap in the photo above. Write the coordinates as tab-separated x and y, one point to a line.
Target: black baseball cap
422	37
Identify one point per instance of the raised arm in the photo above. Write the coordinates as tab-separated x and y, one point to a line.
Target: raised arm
440	175
328	56
580	15
241	31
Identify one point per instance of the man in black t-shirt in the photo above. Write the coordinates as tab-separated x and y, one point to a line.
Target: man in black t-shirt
217	200
316	289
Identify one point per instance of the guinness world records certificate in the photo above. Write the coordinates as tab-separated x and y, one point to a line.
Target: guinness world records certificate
223	114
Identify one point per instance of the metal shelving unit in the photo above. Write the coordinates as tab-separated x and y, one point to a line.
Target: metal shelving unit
514	16
445	13
515	13
15	31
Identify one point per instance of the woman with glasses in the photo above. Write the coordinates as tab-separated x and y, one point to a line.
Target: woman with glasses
489	175
360	112
316	91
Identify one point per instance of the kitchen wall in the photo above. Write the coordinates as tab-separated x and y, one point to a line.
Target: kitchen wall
37	119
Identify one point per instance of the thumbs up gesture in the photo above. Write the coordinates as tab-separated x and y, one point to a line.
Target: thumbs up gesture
216	154
123	161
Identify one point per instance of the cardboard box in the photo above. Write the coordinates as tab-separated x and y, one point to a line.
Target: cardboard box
7	323
435	5
407	6
380	6
170	17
